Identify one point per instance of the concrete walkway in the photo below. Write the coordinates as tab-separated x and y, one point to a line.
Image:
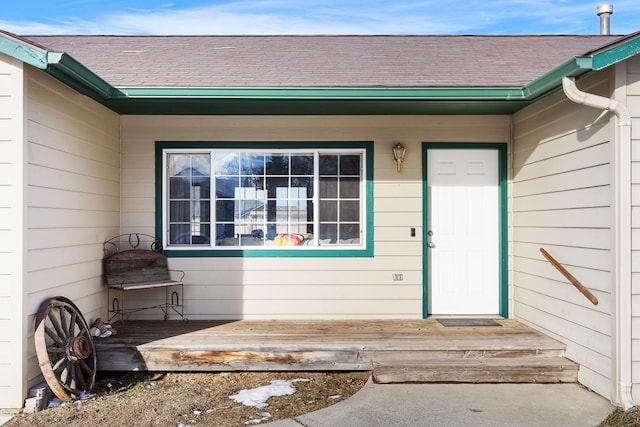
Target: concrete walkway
475	405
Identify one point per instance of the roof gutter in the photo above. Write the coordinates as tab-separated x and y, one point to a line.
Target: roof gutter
622	237
550	81
72	72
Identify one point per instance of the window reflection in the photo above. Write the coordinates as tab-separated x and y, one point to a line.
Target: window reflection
265	198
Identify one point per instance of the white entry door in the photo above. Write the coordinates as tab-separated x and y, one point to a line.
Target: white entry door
463	234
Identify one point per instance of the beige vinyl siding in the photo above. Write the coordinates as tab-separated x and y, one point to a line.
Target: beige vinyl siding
633	104
73	203
561	201
299	288
12	323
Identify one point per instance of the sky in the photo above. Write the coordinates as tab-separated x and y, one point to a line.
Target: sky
261	17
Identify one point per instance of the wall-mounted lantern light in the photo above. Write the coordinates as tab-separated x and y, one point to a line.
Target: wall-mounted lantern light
398	155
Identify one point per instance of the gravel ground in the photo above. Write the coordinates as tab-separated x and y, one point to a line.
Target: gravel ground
195	399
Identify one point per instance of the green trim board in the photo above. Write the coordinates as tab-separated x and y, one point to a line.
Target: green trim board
22	51
617	52
310	107
326	93
160	146
503	226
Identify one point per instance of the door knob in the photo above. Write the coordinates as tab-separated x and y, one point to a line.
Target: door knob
430	243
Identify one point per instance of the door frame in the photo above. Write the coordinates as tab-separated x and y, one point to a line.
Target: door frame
501	148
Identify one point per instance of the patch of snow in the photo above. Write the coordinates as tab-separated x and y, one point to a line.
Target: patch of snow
258	396
335	396
265	417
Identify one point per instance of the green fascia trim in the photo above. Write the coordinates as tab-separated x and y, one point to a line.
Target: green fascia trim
326	93
616	54
310	107
552	80
23	52
272	253
76	75
504	225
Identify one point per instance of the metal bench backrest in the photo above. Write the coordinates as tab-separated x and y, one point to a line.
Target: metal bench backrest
136	266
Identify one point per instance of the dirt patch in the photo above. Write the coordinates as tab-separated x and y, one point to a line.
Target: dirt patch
196	399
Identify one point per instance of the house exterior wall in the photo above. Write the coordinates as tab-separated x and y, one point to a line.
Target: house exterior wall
298	288
632	72
562	195
73	199
12	322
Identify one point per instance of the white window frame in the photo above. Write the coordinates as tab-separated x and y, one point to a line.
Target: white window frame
314	244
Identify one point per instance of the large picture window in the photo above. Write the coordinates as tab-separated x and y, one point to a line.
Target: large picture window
223	198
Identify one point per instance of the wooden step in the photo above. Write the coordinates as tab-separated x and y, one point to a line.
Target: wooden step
480	370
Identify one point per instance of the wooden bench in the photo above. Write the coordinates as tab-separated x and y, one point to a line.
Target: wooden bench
137	269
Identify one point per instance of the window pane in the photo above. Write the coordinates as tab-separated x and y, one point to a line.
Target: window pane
226	186
350	188
180	234
201	187
278	164
349	211
302	164
252	181
189	198
328	210
349	234
251	164
176	163
201	210
306	183
179	188
179	211
328	188
224	210
273	184
328	164
350	165
224	231
227	164
328	233
200	234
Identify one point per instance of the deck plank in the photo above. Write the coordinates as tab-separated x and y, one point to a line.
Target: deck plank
306	345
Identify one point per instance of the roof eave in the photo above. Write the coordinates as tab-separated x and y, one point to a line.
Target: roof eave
133	100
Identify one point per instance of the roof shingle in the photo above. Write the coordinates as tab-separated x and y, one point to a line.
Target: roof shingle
322	61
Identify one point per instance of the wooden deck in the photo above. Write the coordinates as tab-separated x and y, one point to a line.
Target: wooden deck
395	350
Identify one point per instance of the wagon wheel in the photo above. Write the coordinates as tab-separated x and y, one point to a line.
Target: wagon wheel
65	348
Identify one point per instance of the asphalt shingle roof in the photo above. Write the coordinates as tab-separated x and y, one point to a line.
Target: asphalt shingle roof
322	61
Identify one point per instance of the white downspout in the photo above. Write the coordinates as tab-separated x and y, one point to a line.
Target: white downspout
622	237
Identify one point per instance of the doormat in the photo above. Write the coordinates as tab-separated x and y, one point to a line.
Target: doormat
468	322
